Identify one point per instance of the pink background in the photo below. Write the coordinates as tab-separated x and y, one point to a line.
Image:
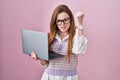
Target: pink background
102	24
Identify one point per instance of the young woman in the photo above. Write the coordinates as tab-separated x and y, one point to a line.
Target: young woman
67	39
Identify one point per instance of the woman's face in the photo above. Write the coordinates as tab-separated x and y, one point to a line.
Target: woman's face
63	22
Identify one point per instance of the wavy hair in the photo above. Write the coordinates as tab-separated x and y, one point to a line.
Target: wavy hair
54	28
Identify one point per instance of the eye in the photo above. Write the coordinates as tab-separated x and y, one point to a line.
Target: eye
58	21
66	20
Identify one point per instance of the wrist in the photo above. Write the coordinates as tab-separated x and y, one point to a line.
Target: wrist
80	27
78	32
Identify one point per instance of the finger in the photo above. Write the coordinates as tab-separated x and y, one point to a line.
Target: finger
79	13
43	63
33	56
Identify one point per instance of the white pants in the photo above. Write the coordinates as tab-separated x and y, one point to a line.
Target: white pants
52	77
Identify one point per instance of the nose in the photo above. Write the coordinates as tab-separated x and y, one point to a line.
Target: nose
62	23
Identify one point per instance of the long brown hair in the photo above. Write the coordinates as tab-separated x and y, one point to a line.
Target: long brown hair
54	28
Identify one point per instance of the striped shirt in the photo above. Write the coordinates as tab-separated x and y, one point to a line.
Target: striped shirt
60	66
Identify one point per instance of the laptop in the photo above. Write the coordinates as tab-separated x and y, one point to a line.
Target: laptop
37	42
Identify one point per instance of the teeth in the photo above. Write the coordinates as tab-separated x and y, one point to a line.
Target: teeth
63	27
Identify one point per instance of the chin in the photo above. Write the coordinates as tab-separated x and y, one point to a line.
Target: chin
63	30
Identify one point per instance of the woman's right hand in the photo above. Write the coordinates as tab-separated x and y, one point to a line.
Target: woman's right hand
42	62
34	56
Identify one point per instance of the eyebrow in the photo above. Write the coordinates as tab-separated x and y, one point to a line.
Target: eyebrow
63	19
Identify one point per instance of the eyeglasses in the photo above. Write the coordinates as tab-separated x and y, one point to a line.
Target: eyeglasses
65	21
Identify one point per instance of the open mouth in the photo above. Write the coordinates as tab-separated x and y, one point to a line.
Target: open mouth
63	28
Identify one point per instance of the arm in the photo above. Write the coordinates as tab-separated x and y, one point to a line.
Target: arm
80	41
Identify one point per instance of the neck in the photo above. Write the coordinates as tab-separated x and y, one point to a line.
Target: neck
62	34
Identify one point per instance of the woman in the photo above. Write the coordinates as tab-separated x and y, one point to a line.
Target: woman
64	38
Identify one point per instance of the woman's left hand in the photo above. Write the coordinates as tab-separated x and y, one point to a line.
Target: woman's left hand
79	18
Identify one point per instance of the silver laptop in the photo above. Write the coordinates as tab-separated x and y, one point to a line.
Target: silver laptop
38	42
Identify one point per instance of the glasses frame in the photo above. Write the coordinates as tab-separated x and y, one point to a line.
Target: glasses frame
63	21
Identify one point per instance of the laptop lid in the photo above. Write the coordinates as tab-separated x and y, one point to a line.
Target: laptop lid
35	41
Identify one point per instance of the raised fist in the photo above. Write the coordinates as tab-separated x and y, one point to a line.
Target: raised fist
79	18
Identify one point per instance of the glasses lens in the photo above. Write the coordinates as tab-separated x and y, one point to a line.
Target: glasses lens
65	21
59	22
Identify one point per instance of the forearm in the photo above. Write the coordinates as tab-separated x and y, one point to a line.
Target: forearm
80	42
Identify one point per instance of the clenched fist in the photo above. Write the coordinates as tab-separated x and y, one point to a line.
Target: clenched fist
79	18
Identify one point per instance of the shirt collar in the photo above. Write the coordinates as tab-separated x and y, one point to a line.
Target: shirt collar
59	39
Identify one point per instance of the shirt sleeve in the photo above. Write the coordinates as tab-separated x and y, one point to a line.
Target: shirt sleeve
79	44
